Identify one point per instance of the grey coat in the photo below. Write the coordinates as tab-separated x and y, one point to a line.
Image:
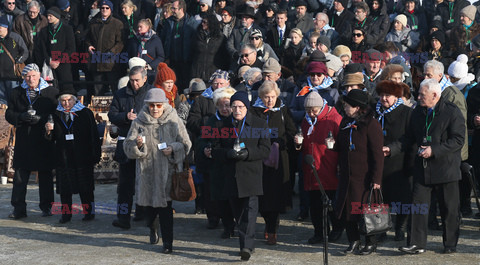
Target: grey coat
407	38
153	169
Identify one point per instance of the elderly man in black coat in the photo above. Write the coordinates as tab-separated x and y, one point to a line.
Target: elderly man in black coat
438	128
28	108
241	152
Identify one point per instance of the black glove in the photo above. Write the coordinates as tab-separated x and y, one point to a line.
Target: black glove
404	42
242	154
231	154
25	117
35	119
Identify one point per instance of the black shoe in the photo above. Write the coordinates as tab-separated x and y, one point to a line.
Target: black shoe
449	250
154	238
302	216
399	235
65	219
118	223
315	240
212	224
46	213
368	249
16	216
334	235
166	250
88	217
413	249
227	234
245	254
353	248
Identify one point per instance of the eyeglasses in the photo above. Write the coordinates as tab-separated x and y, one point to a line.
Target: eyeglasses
245	55
158	105
255	38
238	107
105	7
316	74
358	35
11	3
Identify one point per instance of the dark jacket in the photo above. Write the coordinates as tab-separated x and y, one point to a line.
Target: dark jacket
447	133
443	10
11	15
208	54
242	178
459	41
153	47
23	26
200	112
304	23
473	103
273	40
106	37
124	100
361	167
15	45
342	22
418	20
74	159
32	150
380	21
177	44
292	55
237	39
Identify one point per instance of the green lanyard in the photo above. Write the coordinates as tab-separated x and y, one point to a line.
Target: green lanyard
363	23
53	35
33	31
427	126
333	19
130	22
450	8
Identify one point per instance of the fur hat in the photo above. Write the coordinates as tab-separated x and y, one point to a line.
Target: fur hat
164	73
224	92
402	19
342	50
313	99
271	66
469	11
240	96
459	68
390	88
357	98
155	95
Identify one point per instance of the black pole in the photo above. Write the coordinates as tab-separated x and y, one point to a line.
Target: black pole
327	206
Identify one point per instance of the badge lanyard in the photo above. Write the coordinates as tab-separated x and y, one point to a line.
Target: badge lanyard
241	130
28	97
71	124
427	126
53	35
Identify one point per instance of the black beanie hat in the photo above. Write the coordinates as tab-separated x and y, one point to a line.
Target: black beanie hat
241	96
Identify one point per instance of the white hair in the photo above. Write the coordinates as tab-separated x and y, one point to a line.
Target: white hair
435	65
250	73
432	86
224	92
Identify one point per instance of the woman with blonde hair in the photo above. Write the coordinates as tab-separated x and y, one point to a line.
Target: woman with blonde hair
130	18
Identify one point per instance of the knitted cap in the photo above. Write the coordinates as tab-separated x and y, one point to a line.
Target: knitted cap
440	36
334	62
164	73
459	68
107	3
219	73
229	10
342	50
155	95
390	88
325	41
136	61
240	96
207	2
30	67
256	33
469	11
313	99
63	4
402	19
54	11
317	67
271	66
356	98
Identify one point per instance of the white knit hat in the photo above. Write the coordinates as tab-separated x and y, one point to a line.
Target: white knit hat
136	61
459	68
402	19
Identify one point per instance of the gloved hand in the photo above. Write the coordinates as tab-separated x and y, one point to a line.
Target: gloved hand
25	117
231	154
35	119
242	154
404	42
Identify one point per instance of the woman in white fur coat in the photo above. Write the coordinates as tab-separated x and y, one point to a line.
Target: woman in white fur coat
158	141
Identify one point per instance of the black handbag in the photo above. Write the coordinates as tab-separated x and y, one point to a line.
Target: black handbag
375	217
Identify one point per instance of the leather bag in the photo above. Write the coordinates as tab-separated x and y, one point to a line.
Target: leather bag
375	217
17	67
183	188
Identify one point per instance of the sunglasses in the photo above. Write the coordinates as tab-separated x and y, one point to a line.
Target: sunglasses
105	7
358	35
255	38
316	74
158	105
203	5
244	55
11	3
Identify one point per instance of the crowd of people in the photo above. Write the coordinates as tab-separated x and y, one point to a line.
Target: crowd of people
381	93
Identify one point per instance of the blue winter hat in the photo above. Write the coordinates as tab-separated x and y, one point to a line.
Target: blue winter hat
63	4
4	22
241	96
107	3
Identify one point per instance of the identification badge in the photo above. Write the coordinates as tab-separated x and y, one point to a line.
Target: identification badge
69	137
429	138
384	132
451	21
242	145
177	36
415	27
53	41
143	139
162	146
144	51
1	50
352	147
33	33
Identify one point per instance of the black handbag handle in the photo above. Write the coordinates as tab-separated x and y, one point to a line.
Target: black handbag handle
369	202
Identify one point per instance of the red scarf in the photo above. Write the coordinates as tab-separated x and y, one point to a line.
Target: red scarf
171	95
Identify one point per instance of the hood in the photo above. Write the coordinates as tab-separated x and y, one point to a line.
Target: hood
382	10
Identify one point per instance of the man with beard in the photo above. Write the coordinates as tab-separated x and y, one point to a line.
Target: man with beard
304	20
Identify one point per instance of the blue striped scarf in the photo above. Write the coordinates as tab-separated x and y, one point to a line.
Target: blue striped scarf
381	114
41	85
208	93
309	120
445	82
259	103
327	82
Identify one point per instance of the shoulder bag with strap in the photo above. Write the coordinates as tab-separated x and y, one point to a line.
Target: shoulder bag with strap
17	67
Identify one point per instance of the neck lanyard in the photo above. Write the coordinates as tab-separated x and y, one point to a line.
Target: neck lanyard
450	8
413	20
427	125
53	35
352	126
28	97
216	115
71	124
33	31
241	130
363	23
130	24
333	20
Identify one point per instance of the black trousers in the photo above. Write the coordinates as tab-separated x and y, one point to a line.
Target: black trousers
245	211
316	212
19	191
448	199
272	220
226	214
126	191
87	199
212	208
165	217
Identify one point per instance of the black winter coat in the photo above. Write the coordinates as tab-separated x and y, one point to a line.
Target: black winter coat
208	54
473	104
74	159
340	23
242	178
32	150
447	133
154	52
16	50
443	10
201	110
380	21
